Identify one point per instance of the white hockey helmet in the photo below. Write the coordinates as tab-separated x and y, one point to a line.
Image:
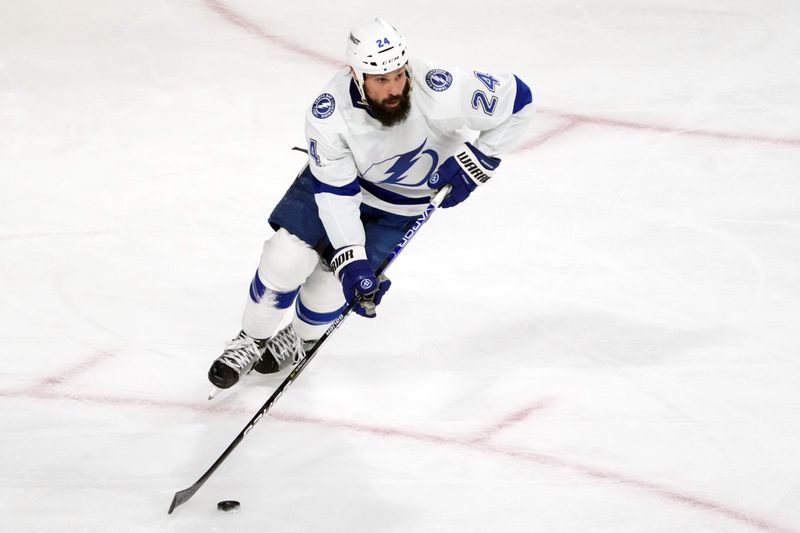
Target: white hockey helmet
374	48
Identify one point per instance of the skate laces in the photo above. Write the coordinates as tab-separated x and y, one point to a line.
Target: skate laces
286	346
240	353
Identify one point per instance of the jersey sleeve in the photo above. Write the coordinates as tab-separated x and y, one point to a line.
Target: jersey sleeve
498	106
336	189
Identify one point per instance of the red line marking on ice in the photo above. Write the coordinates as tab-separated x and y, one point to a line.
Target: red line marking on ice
543	138
64	376
576	119
514	418
104	399
251	27
673	495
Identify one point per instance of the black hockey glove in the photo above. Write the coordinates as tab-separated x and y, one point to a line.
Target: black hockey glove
465	170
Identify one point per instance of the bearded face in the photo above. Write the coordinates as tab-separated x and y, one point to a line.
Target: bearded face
388	96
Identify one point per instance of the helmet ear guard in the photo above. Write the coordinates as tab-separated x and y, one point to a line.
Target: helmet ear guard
374	48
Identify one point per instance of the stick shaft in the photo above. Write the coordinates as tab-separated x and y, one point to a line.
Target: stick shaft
184	495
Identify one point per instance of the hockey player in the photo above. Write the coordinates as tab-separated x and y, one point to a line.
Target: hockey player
382	135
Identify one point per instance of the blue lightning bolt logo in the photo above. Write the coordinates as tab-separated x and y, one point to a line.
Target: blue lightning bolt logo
398	171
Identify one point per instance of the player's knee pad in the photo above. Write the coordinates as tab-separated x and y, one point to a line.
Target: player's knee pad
286	262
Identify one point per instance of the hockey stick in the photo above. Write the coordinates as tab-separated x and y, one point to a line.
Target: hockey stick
182	496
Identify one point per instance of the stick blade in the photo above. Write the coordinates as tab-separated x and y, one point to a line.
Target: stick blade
182	496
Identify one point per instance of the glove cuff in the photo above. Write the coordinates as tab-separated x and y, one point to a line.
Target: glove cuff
475	164
345	256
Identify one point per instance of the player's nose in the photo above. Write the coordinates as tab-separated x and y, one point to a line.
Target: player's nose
396	88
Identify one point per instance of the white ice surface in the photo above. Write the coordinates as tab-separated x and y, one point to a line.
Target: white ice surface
605	339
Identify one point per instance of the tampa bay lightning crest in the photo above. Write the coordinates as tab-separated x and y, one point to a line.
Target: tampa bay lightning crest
439	80
323	106
410	169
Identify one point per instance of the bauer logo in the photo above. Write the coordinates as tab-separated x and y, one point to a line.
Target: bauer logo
439	80
323	106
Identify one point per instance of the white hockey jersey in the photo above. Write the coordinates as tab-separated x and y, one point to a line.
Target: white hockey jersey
355	159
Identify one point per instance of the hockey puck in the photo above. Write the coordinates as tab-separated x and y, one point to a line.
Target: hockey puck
229	506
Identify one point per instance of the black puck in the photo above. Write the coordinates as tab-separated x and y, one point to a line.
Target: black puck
229	506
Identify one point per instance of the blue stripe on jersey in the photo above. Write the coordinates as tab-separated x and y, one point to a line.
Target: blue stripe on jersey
523	97
391	197
314	318
351	189
281	300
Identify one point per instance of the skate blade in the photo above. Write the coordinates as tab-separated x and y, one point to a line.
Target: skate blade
214	392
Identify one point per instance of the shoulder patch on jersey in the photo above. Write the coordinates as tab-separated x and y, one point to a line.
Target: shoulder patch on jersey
323	106
439	80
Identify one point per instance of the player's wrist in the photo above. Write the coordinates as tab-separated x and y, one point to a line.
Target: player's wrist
478	166
463	171
347	256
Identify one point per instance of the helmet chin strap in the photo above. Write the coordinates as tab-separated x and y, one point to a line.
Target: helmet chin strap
359	84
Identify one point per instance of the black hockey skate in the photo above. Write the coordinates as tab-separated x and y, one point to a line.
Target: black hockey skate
284	349
238	358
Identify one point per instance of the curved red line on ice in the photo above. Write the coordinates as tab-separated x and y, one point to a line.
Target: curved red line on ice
253	28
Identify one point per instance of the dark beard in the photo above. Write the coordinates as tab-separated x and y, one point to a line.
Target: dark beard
388	116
